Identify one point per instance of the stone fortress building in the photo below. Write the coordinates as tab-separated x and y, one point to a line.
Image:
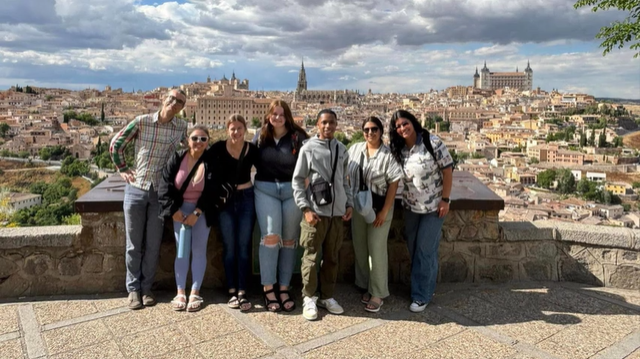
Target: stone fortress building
321	96
487	80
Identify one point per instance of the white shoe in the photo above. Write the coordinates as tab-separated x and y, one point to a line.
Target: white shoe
417	306
331	305
309	309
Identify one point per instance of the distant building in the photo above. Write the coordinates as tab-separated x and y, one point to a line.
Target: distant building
487	80
321	96
213	112
18	201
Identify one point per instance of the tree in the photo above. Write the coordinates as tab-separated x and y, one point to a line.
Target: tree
583	186
4	129
255	122
606	197
618	33
602	139
566	181
583	139
546	178
342	138
592	138
45	153
533	160
617	142
635	185
102	113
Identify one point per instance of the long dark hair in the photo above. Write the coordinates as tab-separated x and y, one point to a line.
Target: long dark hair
266	133
396	142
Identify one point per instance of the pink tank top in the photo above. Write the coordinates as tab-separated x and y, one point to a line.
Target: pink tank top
194	190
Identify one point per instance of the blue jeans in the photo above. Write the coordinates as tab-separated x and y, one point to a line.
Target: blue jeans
144	235
199	239
277	215
236	225
423	232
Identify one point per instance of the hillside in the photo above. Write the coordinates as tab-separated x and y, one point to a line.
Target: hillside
632	140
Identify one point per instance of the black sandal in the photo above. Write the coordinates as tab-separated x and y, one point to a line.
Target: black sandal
268	302
288	300
243	302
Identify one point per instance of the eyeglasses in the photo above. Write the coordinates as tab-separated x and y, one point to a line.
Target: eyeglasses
370	129
199	139
172	98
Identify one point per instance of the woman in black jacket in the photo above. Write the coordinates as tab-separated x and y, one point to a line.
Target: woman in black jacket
189	206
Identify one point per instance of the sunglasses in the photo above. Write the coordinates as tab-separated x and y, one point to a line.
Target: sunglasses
199	139
172	98
370	129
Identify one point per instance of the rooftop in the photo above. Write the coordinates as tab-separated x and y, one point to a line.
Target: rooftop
523	320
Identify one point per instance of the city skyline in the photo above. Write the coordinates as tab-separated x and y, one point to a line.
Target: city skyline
385	46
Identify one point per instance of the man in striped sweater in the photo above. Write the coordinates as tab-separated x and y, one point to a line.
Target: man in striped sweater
155	136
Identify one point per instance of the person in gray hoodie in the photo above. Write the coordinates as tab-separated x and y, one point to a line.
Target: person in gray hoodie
326	202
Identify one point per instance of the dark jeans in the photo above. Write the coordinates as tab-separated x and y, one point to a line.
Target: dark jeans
423	232
236	225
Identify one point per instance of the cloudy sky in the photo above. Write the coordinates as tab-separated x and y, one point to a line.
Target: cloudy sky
402	46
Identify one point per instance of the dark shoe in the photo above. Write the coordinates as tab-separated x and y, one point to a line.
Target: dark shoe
272	305
149	300
288	300
134	301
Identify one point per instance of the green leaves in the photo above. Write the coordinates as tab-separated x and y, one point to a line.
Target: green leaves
619	33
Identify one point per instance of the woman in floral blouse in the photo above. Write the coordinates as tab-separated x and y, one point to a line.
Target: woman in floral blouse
428	169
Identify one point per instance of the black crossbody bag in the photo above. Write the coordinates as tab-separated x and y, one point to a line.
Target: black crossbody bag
227	189
321	189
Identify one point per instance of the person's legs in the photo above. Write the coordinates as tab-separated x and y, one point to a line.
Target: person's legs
330	254
199	240
270	221
292	216
135	211
311	238
153	239
378	258
181	265
361	250
245	213
228	231
424	263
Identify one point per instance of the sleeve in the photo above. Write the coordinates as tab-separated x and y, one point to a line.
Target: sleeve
120	141
300	173
443	157
394	170
345	180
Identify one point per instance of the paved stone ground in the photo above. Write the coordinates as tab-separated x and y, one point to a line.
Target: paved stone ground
520	321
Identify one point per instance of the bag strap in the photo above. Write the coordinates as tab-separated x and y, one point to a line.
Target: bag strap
335	165
190	175
426	139
363	184
240	159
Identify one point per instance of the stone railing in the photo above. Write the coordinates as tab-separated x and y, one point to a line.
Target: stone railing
475	247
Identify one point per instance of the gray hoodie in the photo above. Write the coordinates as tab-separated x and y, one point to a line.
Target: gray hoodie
316	161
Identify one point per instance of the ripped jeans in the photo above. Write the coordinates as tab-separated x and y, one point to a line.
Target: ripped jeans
278	216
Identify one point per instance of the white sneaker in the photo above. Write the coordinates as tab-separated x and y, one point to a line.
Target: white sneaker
417	306
309	309
331	305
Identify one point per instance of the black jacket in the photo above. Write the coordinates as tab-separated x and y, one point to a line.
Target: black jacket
169	196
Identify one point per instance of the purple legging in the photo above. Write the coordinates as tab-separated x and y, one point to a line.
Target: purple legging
199	239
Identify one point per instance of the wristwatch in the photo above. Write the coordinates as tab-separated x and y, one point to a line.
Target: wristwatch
445	199
196	213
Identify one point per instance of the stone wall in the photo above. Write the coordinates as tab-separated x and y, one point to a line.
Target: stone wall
474	248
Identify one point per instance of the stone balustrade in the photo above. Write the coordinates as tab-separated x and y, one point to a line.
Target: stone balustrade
475	247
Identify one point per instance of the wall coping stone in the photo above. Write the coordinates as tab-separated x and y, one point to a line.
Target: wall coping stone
601	236
45	236
468	193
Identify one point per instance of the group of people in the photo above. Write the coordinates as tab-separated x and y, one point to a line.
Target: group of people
304	189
